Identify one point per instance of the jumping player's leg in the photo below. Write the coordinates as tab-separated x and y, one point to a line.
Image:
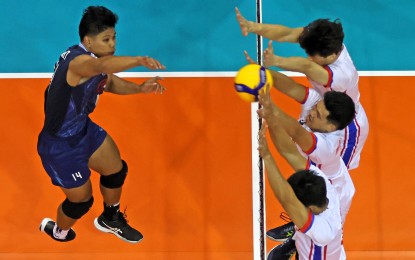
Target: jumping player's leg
74	205
77	203
65	161
107	162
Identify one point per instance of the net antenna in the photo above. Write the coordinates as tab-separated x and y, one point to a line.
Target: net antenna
258	180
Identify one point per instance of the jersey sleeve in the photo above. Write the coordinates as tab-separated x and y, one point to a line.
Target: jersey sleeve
312	98
320	229
330	79
310	220
313	146
307	91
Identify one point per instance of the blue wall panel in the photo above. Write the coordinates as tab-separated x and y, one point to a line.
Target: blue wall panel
196	35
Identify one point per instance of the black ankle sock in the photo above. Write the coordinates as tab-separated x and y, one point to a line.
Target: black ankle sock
110	212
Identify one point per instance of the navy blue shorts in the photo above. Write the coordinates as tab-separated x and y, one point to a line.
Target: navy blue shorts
66	159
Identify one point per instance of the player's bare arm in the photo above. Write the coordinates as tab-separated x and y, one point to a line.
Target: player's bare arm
280	187
84	66
274	115
289	87
308	67
121	86
274	32
284	144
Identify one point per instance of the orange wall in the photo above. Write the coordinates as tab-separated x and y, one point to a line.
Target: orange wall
189	186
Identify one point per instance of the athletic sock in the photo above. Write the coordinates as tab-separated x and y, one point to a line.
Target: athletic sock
111	211
59	233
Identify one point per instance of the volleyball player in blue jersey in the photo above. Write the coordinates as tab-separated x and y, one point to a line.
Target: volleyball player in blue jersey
70	144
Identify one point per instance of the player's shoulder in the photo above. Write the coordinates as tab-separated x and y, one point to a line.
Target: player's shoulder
78	50
343	63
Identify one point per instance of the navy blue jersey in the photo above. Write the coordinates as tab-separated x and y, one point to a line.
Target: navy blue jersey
67	108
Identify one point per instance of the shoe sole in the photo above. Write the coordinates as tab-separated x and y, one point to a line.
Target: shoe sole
106	230
290	257
275	239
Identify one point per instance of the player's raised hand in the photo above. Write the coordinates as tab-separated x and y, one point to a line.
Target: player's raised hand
243	23
152	85
264	98
262	141
248	58
151	63
270	59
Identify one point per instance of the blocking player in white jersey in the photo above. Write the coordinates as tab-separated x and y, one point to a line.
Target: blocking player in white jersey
317	138
329	67
307	196
318	131
325	152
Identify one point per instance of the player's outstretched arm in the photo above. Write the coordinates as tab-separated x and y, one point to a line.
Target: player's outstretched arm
276	117
121	86
308	67
280	187
284	144
289	87
85	66
274	32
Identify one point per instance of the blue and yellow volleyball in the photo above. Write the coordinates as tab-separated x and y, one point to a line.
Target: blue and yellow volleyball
250	79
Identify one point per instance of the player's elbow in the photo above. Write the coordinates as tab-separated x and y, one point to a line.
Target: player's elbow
307	67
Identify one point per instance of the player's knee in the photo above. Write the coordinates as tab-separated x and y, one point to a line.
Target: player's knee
115	180
76	210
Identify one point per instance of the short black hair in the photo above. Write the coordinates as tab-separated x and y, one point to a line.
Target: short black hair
322	37
309	188
341	108
95	20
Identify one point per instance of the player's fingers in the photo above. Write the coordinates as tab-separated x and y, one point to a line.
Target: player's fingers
260	112
239	16
270	45
263	129
264	101
262	94
158	64
153	63
160	89
248	58
156	86
268	89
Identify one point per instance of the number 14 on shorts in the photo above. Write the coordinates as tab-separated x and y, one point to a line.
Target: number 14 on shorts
76	175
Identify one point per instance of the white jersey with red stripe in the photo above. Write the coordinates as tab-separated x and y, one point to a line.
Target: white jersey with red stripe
343	77
325	155
321	237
